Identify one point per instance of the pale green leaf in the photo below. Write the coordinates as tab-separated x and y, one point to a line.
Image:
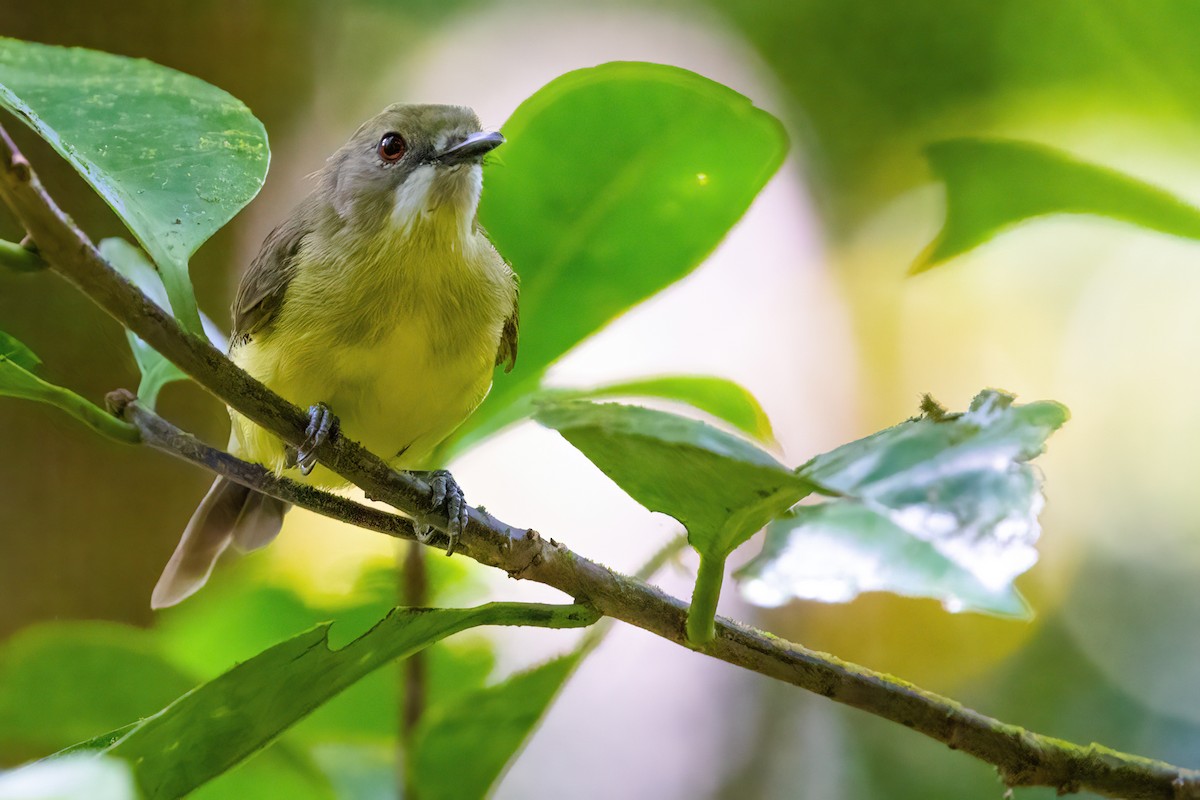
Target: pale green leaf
944	506
156	371
994	184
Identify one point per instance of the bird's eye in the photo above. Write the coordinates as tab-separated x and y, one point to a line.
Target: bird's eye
392	147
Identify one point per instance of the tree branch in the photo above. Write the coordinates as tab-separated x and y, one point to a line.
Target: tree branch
161	435
1022	758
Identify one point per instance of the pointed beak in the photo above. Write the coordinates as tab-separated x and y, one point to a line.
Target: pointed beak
471	148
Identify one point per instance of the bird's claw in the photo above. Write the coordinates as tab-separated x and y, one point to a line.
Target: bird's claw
322	425
424	532
447	495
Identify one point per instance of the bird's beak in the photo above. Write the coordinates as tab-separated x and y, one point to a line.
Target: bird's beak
471	148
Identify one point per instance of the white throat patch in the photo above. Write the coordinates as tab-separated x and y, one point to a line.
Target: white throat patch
443	197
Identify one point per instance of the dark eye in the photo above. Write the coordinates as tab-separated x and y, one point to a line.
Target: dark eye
392	147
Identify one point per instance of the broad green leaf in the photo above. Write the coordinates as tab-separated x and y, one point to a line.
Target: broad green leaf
993	184
222	722
720	487
173	156
17	353
61	682
958	487
202	636
490	724
78	777
719	397
615	182
17	381
156	371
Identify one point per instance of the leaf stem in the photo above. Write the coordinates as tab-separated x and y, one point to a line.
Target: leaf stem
182	298
701	618
20	258
27	386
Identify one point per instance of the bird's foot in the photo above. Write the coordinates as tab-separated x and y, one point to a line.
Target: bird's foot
448	496
322	426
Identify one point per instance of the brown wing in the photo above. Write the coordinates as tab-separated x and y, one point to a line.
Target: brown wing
260	294
507	354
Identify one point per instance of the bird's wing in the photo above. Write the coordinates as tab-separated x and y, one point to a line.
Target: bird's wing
507	354
260	294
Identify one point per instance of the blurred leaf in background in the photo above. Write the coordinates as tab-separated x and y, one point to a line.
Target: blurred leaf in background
993	184
870	83
61	683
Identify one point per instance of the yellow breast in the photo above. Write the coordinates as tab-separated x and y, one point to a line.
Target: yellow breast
401	346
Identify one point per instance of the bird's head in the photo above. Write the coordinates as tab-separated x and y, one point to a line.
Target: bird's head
412	166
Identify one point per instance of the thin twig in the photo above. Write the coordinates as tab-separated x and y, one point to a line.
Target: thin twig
156	432
414	593
1022	758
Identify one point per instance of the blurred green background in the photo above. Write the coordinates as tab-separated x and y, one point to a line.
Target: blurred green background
807	304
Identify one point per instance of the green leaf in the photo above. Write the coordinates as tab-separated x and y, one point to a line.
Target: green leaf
720	487
993	184
46	671
943	507
17	353
616	181
17	381
173	156
78	777
203	637
156	370
222	722
491	724
719	397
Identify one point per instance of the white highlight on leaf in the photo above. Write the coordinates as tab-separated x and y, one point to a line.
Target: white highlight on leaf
825	569
947	510
74	777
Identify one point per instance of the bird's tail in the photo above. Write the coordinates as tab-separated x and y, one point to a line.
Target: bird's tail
229	514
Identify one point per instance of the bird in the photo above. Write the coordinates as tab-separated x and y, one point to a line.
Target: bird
379	304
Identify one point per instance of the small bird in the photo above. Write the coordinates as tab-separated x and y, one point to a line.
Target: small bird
379	298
